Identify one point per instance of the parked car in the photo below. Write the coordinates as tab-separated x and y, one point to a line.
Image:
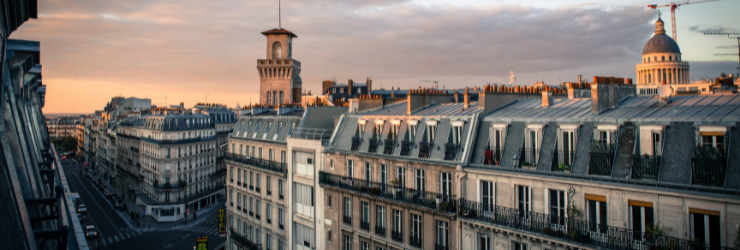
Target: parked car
80	217
118	205
91	232
106	193
81	209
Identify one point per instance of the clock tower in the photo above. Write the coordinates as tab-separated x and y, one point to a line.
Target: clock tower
280	74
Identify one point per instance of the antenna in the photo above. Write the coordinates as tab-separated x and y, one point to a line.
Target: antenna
732	35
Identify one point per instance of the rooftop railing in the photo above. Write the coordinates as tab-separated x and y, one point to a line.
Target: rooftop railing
431	200
388	146
425	149
528	157
562	160
451	150
373	145
645	167
260	163
180	141
601	157
708	166
356	143
574	230
312	133
406	148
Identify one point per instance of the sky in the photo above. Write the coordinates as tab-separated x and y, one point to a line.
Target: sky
191	51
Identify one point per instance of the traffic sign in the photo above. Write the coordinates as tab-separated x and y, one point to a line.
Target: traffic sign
201	243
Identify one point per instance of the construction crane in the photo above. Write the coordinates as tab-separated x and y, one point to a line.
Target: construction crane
674	6
511	76
733	35
436	83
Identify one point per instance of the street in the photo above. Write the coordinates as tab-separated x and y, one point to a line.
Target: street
115	232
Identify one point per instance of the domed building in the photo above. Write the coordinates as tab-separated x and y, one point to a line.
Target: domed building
661	60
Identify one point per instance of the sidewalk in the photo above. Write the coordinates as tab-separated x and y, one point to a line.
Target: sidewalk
149	224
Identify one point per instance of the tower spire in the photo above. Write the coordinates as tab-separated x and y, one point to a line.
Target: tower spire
280	21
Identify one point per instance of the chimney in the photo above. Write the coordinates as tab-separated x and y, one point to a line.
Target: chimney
369	83
546	99
466	99
570	88
349	86
580	79
457	97
325	85
607	92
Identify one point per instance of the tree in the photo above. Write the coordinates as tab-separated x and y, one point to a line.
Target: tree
68	143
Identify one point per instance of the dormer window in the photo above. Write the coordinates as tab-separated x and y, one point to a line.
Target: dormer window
431	130
256	128
361	127
412	130
710	136
277	130
532	141
378	128
395	128
457	130
654	144
238	128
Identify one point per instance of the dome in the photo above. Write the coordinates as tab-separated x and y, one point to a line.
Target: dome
661	44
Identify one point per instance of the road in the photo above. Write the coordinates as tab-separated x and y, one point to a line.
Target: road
116	234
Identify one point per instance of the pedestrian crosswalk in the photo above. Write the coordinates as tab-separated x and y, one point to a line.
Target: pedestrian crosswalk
203	230
119	237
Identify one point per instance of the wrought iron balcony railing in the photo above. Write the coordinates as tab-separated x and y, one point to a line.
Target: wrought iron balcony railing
440	247
260	163
364	225
492	156
574	230
373	145
347	220
388	146
425	149
356	143
406	148
708	166
397	236
431	200
645	167
562	160
415	241
379	230
528	157
451	151
601	157
243	241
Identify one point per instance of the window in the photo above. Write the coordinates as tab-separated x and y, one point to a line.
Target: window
280	188
442	230
457	134
348	209
655	140
365	245
268	213
270	155
662	58
279	124
397	219
416	229
328	237
596	211
365	214
401	176
524	202
328	200
445	184
713	139
380	216
281	217
282	156
487	198
532	145
281	245
419	183
368	172
412	131
567	147
383	176
304	202
268	184
260	154
268	241
518	246
705	226
347	242
257	207
484	242
350	168
331	164
277	52
557	207
361	128
304	237
431	132
641	216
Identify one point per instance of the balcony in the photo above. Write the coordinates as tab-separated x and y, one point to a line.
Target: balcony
601	157
430	200
562	160
259	163
440	247
708	166
356	143
180	141
415	241
528	158
364	225
571	230
397	236
388	146
244	242
451	151
406	148
379	230
257	190
425	149
492	156
347	220
645	167
373	145
281	226
251	187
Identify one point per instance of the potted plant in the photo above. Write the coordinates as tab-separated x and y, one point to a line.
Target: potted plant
438	199
394	185
443	206
573	212
652	232
564	168
497	157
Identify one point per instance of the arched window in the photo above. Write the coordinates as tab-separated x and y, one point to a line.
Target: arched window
655	58
281	97
277	50
268	97
662	59
648	59
274	98
670	58
643	60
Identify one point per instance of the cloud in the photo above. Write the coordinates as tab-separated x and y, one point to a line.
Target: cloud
192	46
713	29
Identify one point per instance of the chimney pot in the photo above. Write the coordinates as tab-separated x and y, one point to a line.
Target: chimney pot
546	99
